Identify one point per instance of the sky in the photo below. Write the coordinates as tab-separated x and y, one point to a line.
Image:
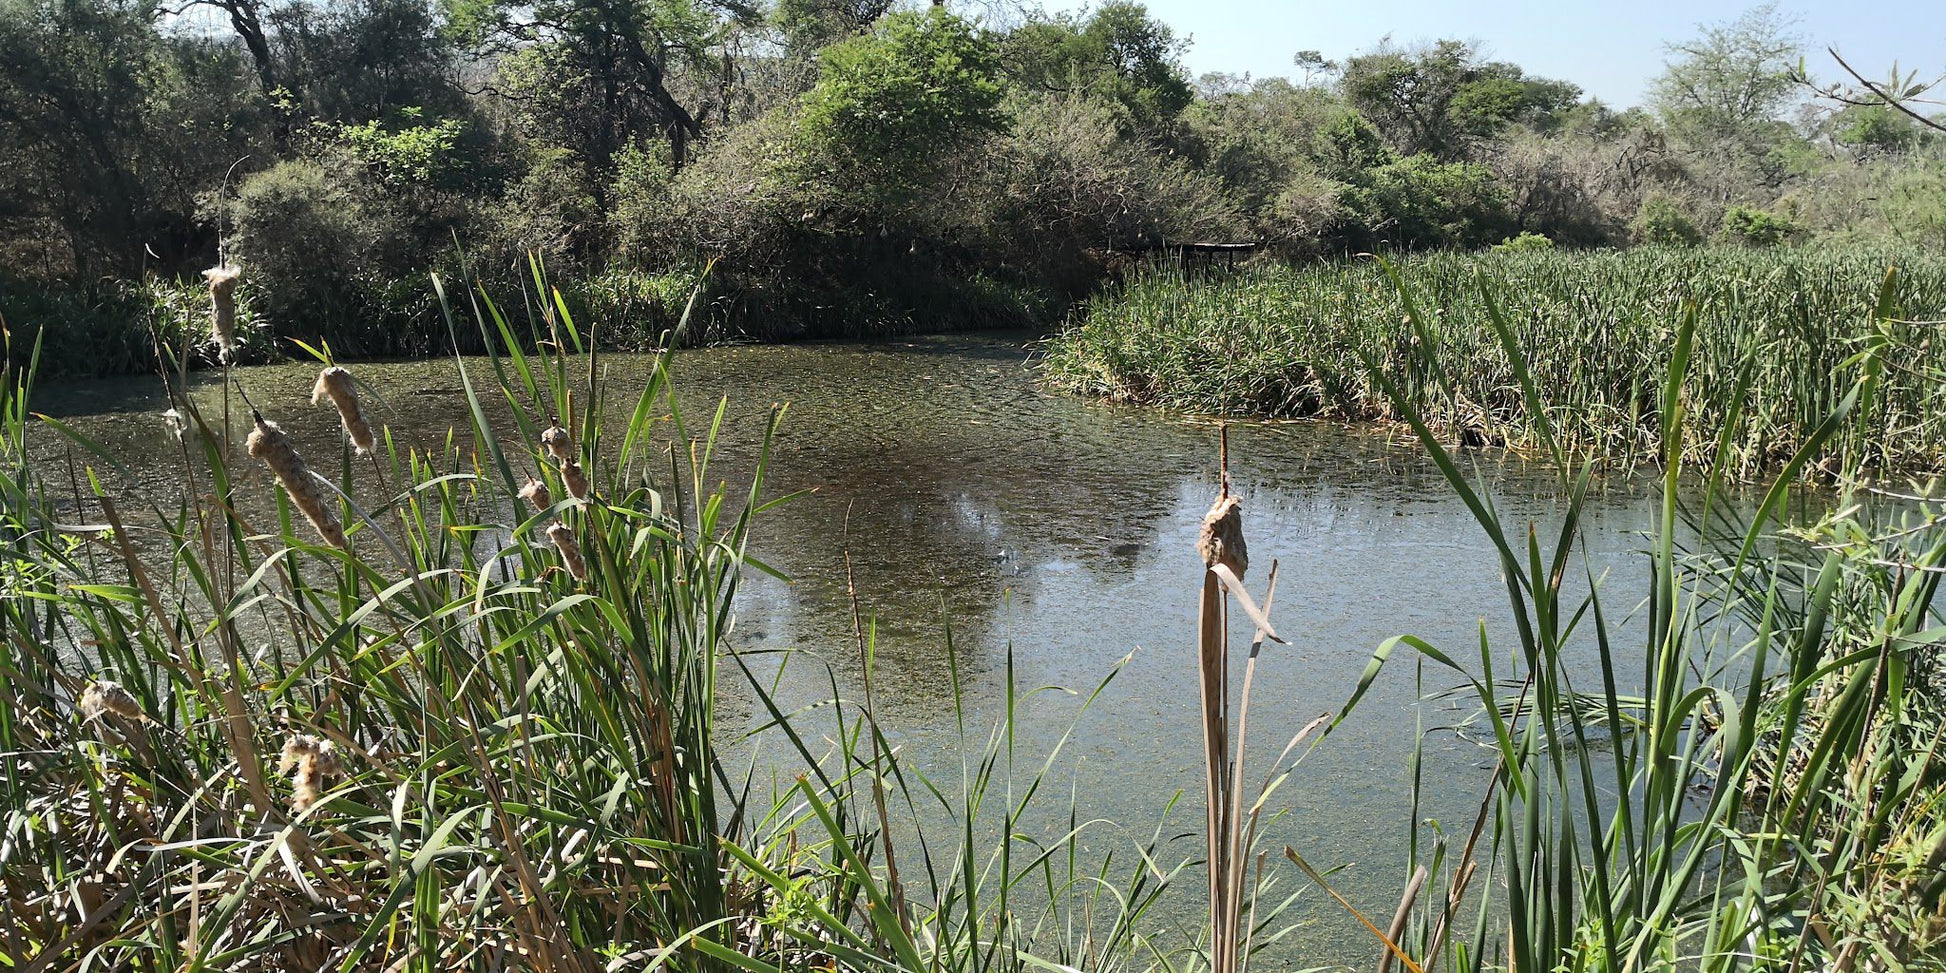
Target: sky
1611	50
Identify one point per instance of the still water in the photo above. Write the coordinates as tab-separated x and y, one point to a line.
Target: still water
1061	533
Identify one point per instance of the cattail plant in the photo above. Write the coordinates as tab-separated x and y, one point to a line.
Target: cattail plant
222	295
269	443
575	480
310	762
558	443
107	696
562	537
535	493
1230	826
334	383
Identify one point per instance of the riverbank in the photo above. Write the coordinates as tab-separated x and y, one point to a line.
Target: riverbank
1772	328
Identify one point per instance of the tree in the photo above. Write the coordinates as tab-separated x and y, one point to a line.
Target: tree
918	86
1119	53
1442	99
594	76
1731	79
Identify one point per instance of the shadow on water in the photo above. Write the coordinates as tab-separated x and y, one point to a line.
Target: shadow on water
1063	532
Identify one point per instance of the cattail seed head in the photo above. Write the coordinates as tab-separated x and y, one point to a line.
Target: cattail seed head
107	696
563	537
222	295
334	383
269	442
575	480
558	444
535	493
1221	541
311	762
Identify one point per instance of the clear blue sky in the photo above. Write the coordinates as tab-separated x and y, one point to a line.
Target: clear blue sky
1610	50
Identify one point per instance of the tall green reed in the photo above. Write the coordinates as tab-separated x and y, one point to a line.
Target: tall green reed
1596	330
1748	775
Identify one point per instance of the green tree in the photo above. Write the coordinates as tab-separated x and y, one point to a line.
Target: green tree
109	127
1732	79
595	76
917	87
1442	99
1119	53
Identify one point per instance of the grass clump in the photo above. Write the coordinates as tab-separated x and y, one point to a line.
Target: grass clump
1596	329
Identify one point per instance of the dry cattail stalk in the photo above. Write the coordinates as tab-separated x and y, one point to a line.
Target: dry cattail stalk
1221	541
563	537
575	480
107	696
335	383
535	493
222	297
271	444
313	761
558	444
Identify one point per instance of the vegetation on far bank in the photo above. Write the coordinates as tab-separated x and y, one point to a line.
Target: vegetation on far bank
1773	329
849	166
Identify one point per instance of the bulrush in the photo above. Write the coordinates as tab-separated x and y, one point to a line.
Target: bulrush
1221	541
310	762
535	493
107	696
222	297
558	444
335	383
271	444
563	537
575	480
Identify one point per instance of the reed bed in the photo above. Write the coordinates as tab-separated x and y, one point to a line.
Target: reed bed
1752	779
1596	328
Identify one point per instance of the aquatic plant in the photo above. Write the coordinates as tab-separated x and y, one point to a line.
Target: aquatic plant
1596	329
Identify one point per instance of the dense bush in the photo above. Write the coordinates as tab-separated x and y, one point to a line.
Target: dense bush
1662	223
1756	228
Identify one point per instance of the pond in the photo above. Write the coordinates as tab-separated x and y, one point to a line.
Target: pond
1061	533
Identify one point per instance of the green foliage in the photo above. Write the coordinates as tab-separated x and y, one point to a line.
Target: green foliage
414	153
1876	127
1662	223
1757	228
1119	54
921	85
1434	100
1288	342
1734	79
1420	202
1526	242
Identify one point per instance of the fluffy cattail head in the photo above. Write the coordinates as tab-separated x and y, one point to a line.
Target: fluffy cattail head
311	762
334	383
558	444
272	445
107	696
575	480
563	538
222	295
535	493
1221	541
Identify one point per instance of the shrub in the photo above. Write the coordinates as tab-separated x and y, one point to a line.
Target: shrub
1421	202
1757	228
1661	223
1526	242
